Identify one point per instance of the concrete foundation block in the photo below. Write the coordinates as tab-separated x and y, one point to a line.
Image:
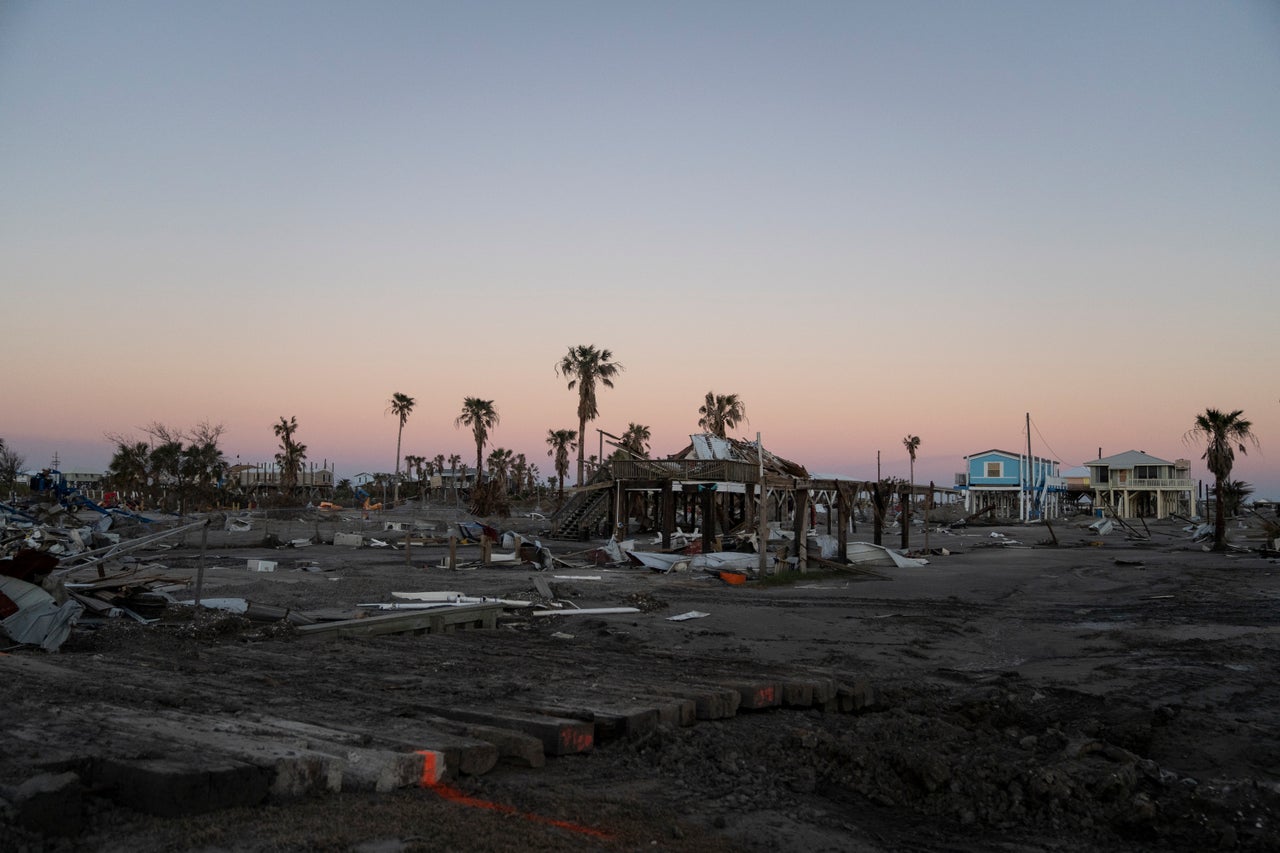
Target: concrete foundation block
50	803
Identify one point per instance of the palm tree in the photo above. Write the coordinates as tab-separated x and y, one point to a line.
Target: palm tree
721	413
170	479
439	460
911	443
636	440
1234	494
480	416
500	462
413	465
519	467
584	367
560	442
291	454
454	461
203	465
343	490
129	467
1223	433
401	406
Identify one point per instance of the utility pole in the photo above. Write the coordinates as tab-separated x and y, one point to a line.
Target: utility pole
762	528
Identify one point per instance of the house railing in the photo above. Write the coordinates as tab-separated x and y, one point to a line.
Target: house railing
1133	484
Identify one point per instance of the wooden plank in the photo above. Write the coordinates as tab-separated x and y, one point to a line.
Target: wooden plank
711	702
514	748
559	735
441	620
755	695
611	721
464	753
672	710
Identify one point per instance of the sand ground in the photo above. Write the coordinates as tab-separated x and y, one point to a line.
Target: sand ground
1109	693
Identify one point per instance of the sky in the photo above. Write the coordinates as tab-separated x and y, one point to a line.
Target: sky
867	219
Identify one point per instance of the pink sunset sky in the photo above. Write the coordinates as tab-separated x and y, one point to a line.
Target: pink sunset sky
868	220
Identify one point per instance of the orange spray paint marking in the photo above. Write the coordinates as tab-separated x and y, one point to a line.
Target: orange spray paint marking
576	741
432	767
453	795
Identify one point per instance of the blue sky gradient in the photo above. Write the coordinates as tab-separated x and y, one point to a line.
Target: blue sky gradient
866	218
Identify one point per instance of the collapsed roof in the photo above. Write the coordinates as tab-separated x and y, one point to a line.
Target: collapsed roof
708	447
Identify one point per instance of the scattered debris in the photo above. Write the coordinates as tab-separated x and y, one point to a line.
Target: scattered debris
870	555
31	616
587	611
660	561
691	614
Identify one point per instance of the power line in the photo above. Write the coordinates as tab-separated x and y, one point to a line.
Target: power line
1056	454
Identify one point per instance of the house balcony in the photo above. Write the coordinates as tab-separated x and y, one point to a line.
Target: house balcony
1135	485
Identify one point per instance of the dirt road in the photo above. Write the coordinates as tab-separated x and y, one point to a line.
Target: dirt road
1111	696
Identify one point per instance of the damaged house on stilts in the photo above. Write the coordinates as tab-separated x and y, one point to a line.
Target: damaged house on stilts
715	486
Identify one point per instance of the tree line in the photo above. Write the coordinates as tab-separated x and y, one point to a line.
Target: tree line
179	469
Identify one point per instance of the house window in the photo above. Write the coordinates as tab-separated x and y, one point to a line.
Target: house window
1146	472
995	470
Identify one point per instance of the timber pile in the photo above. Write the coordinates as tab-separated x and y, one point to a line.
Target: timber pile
169	761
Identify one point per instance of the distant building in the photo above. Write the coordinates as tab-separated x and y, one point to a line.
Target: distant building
1079	494
1010	486
265	478
1135	484
83	480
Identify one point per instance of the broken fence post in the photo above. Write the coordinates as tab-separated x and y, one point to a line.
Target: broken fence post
204	546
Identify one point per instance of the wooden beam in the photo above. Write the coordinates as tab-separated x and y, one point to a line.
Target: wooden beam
438	621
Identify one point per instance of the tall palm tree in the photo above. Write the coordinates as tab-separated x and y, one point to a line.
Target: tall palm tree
636	439
721	413
911	443
1223	434
401	406
584	367
481	416
560	442
291	454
